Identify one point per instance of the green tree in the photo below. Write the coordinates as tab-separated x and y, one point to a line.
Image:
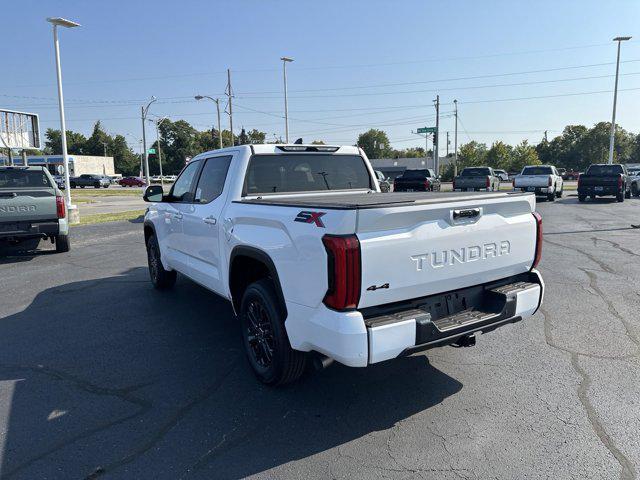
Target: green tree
124	160
375	143
53	143
95	144
499	155
472	154
523	154
243	138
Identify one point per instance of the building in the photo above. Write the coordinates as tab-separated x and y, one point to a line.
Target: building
393	167
78	164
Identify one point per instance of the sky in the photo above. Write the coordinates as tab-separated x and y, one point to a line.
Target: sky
517	68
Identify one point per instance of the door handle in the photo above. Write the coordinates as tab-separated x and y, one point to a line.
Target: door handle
177	216
210	220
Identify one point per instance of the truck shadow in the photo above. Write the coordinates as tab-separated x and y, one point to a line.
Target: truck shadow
109	376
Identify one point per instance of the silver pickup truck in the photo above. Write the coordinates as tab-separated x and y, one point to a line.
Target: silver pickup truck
32	208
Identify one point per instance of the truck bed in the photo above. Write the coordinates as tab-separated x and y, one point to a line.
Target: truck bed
364	200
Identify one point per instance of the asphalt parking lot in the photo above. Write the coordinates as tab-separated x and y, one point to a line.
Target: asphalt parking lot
103	377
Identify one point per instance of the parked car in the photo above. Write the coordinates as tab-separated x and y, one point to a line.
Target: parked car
318	263
570	174
543	180
417	181
132	182
156	178
383	181
502	175
90	180
32	208
169	178
562	172
602	179
475	179
59	179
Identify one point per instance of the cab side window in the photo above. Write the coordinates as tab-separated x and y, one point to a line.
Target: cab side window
212	178
181	191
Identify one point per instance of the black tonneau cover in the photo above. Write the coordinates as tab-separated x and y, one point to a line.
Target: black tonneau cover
355	201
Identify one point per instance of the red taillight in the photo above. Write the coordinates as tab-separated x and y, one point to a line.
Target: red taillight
60	207
488	182
539	239
620	182
426	184
343	253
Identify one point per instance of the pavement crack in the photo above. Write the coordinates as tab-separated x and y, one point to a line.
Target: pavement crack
628	469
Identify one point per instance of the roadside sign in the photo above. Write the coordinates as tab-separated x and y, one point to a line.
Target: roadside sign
19	130
151	151
427	130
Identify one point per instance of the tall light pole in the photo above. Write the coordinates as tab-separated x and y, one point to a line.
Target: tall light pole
455	141
145	111
61	22
615	98
158	122
202	97
285	60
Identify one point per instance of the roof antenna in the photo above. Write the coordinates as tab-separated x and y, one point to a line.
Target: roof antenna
298	142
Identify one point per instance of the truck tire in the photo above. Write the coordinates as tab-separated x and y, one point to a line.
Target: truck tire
627	194
62	243
160	278
96	185
551	196
559	194
72	184
620	197
265	339
635	191
582	198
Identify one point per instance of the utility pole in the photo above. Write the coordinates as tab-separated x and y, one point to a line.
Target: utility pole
230	96
145	110
448	142
285	60
436	138
158	122
455	140
615	98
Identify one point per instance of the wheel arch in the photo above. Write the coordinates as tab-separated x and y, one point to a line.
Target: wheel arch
149	229
247	265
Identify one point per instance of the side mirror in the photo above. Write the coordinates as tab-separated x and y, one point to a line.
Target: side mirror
153	193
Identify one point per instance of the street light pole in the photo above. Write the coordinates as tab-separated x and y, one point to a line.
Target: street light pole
61	22
200	97
285	60
145	111
158	122
615	98
455	141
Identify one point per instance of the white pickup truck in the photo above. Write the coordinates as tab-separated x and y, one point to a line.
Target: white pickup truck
318	263
543	180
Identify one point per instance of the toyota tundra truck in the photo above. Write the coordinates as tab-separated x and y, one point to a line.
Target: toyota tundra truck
319	264
32	208
543	180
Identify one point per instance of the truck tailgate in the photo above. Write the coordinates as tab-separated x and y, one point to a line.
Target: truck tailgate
531	181
33	204
419	250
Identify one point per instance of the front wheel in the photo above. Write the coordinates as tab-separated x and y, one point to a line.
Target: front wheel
62	243
559	194
265	339
160	278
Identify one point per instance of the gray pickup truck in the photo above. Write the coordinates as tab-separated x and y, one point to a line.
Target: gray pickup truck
90	180
477	178
32	208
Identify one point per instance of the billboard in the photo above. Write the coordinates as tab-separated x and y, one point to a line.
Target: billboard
19	130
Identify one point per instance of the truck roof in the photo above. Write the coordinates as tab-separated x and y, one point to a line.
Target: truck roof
280	148
21	167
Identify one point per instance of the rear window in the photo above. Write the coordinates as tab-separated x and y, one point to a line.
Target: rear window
475	172
23	179
604	170
415	174
305	173
537	171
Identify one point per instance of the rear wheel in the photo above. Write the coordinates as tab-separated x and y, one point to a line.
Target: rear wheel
559	194
265	339
96	185
160	278
551	196
620	197
62	243
72	185
627	194
635	191
582	198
